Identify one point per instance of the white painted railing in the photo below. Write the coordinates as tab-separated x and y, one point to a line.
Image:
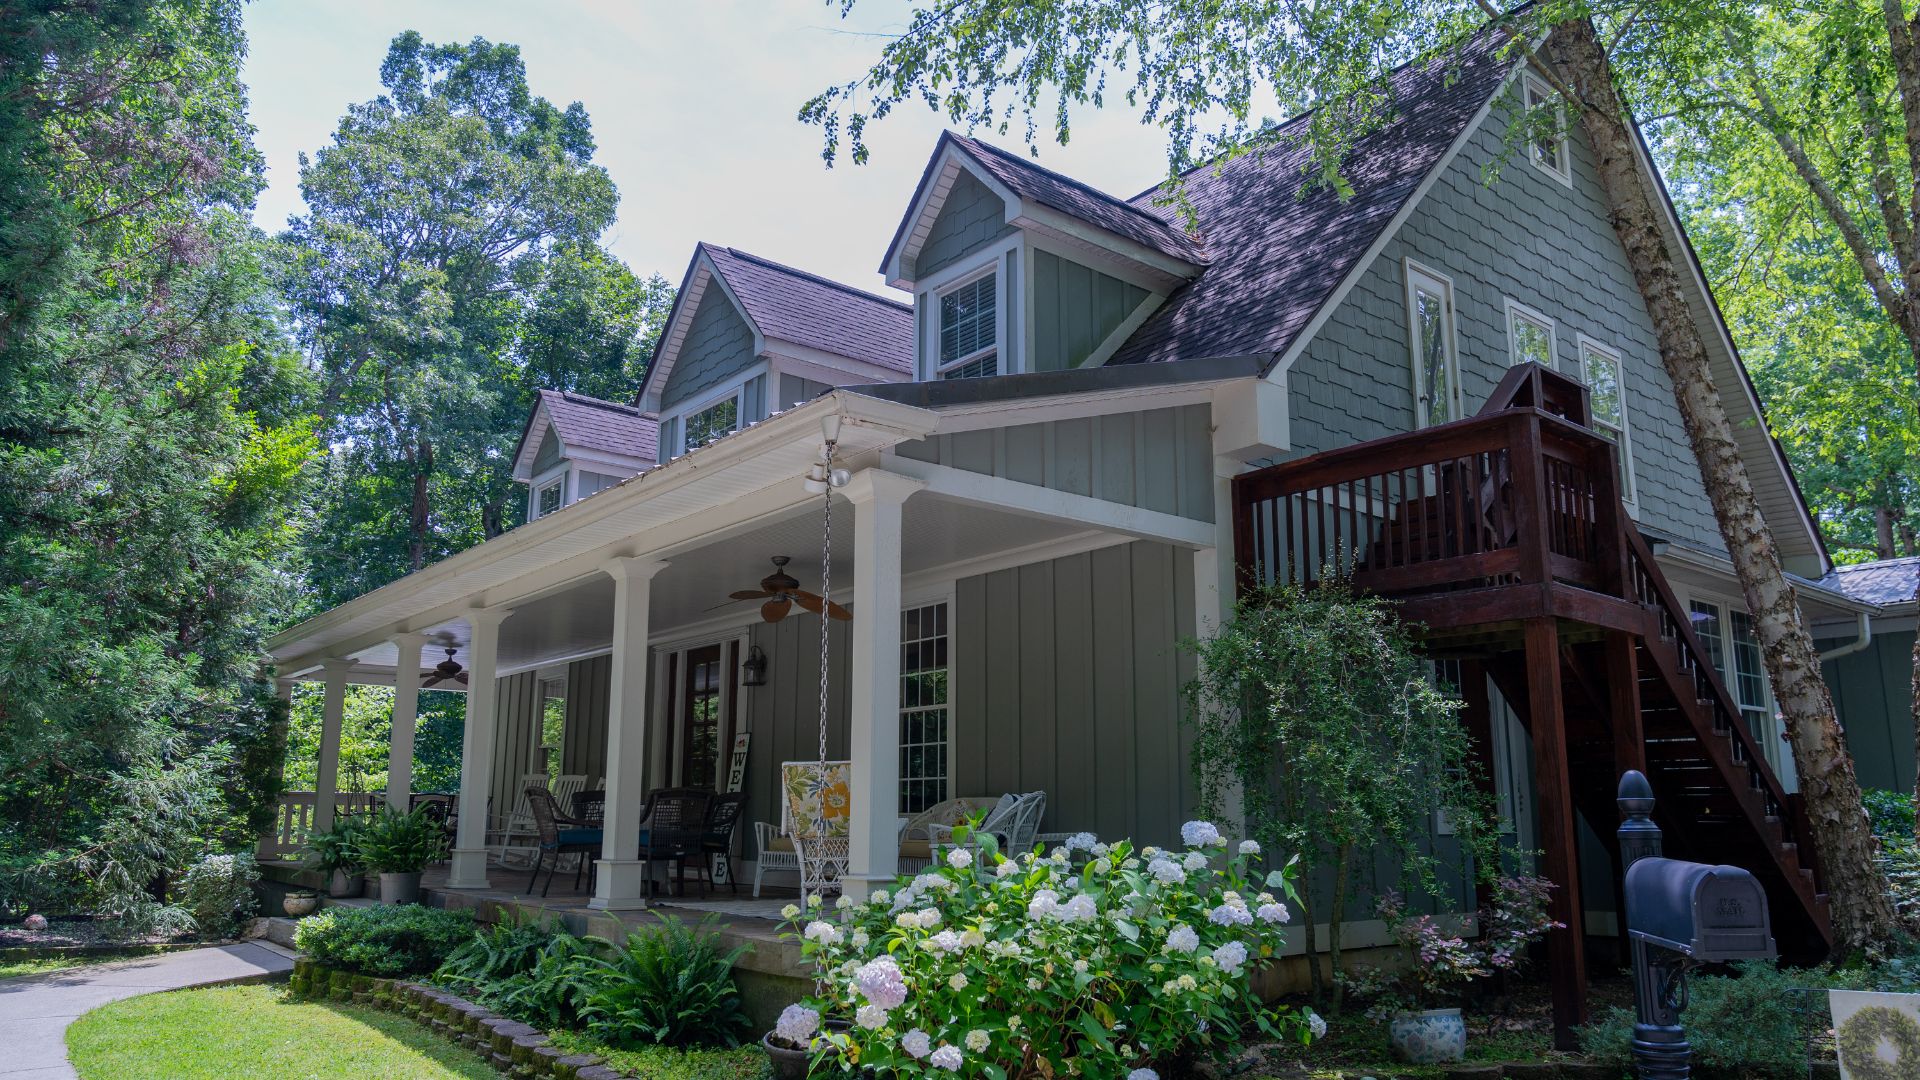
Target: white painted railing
293	819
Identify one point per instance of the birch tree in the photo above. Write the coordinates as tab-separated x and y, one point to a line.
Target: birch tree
1203	70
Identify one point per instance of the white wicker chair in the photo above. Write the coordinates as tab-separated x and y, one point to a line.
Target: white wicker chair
821	843
769	856
1015	824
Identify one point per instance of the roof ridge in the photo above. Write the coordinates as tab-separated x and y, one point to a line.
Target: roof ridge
1116	200
1875	563
813	277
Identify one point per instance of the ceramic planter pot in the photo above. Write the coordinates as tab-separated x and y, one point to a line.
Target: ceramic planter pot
788	1064
400	888
1433	1037
299	906
344	883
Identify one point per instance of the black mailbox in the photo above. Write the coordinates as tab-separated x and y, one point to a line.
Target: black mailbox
1704	913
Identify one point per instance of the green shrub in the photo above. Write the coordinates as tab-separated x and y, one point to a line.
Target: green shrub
670	985
218	892
1757	1023
390	940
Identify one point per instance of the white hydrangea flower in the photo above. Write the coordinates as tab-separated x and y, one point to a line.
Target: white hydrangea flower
1100	866
842	902
1249	847
959	858
814	900
879	898
1199	834
1167	872
916	1043
1082	908
1013	1023
1034	984
1230	956
1042	903
948	1058
1195	860
978	1040
880	982
1182	939
943	942
797	1024
822	932
871	1017
958	981
973	939
1080	967
1273	913
1317	1024
791	911
1005	869
1130	864
858	939
1082	841
1100	850
1230	915
1143	1074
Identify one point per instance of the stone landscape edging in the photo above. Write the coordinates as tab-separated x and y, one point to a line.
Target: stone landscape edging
513	1048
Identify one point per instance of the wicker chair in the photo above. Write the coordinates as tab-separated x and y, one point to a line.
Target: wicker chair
716	837
670	831
556	842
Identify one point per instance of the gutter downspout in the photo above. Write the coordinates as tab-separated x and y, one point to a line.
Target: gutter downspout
1865	639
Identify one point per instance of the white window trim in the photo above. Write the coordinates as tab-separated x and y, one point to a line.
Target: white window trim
735	388
1519	312
942	594
1781	758
992	269
988	260
1414	272
1583	343
1561	167
561	474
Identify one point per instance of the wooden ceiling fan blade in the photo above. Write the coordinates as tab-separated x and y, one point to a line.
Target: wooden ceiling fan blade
810	601
836	611
750	594
775	610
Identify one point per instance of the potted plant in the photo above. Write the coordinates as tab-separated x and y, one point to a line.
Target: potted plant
335	854
797	1037
398	846
1419	1002
299	904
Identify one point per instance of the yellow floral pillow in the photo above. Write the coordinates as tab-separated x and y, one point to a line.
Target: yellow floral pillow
819	797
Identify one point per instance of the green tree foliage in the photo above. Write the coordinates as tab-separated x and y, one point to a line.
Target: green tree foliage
366	728
153	439
447	268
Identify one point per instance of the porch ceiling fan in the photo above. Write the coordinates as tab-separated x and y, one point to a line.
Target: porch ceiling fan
781	591
444	671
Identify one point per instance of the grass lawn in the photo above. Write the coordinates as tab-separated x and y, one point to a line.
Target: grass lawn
244	1032
668	1063
14	969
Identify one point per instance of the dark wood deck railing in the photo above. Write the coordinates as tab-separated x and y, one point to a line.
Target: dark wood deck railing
1514	497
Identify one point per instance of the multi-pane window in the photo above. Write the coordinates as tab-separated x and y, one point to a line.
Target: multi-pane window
550	497
969	329
1549	143
1529	336
712	422
923	707
1734	650
1430	319
1600	369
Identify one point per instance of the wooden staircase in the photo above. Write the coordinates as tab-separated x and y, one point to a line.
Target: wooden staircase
1504	538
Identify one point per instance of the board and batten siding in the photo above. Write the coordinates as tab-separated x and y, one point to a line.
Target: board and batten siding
583	750
784	715
1075	309
1157	459
516	733
970	218
796	390
1873	695
1066	679
1529	237
718	345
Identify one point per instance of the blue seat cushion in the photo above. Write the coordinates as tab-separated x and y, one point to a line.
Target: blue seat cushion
580	836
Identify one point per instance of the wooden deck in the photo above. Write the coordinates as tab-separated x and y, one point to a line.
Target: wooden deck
1504	538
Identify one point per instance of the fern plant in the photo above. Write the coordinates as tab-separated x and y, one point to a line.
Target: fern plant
557	988
672	985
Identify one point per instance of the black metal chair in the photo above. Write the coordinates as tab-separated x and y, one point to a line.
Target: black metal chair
589	809
670	831
716	837
556	842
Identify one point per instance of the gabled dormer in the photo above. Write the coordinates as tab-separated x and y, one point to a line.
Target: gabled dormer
1016	268
748	337
575	446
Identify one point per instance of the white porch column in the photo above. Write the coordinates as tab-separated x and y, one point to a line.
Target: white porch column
874	856
469	867
326	774
621	880
406	708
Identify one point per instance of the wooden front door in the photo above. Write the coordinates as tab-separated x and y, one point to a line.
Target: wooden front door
701	717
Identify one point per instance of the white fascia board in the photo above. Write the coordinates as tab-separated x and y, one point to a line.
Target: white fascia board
1037	410
1156	269
832	368
530	446
681	501
1031	500
1718	569
623	464
927	204
1366	261
1251	423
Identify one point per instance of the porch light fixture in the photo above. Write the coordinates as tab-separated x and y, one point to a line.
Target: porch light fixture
753	670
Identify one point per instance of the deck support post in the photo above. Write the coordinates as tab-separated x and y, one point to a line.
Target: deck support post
1566	948
406	710
621	878
469	865
1623	702
879	498
326	772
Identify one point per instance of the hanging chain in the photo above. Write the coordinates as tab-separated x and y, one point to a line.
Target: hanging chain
826	595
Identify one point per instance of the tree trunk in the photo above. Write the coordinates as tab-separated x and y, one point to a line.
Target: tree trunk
1315	988
1916	727
1861	909
1883	532
418	518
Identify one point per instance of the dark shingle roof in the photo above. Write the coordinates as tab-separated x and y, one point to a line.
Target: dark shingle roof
1890	581
819	313
592	424
1030	180
1277	257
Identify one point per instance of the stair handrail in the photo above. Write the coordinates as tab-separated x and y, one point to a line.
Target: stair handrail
1720	698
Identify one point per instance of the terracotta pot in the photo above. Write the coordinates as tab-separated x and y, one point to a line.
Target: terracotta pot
1432	1037
299	906
400	888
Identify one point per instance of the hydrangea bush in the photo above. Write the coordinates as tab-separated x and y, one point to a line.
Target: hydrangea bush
1094	960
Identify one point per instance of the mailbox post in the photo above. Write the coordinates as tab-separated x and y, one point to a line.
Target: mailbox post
1679	914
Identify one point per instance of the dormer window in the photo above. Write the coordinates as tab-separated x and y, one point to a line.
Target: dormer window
713	422
969	328
550	496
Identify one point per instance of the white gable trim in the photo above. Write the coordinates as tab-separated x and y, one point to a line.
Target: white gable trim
828	367
1127	259
704	272
929	200
530	442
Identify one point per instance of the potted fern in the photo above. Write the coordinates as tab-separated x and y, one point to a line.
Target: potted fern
398	846
335	855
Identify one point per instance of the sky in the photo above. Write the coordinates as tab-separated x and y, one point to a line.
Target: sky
693	107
